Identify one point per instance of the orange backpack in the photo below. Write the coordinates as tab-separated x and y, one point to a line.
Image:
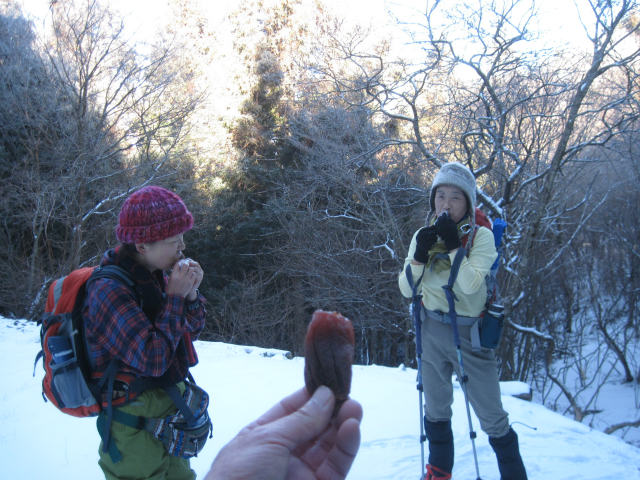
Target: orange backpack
67	381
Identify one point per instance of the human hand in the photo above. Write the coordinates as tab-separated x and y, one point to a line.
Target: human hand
447	229
297	439
199	274
184	279
425	240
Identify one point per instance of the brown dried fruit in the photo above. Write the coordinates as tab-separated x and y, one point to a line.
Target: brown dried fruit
329	347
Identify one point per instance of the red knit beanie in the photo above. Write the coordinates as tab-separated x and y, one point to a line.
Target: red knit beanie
151	214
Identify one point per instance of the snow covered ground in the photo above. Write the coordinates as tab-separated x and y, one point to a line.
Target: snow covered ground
38	442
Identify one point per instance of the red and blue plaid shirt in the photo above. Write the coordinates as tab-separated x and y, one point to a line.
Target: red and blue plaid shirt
117	327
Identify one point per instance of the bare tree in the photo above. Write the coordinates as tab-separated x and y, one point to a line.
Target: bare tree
27	116
337	212
533	124
113	119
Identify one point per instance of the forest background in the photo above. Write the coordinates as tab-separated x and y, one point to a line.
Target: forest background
305	144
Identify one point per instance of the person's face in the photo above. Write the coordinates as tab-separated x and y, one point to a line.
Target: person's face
163	254
452	200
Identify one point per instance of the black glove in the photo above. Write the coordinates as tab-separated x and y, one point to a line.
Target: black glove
447	229
425	240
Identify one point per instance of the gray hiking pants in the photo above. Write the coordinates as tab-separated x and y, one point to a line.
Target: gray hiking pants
440	360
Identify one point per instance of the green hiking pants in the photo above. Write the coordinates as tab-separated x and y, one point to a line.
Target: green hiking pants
143	456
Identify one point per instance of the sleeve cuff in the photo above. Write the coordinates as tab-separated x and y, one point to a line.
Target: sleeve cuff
192	305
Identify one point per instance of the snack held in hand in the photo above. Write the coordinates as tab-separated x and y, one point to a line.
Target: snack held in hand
187	263
329	347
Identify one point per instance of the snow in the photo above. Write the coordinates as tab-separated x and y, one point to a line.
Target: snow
40	442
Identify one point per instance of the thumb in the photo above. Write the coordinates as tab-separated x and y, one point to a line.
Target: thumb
308	421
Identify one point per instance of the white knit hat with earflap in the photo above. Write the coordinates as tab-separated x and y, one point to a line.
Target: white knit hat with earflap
459	176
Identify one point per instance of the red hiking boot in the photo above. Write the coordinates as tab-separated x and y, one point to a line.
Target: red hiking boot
434	473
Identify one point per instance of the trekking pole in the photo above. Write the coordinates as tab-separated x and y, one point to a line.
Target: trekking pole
463	380
416	305
448	289
419	386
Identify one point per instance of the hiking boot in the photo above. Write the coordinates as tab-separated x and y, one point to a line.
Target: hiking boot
434	473
508	455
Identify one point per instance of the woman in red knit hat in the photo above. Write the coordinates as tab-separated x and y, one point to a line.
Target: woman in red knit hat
147	330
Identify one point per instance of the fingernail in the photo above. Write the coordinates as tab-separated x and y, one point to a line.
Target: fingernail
322	395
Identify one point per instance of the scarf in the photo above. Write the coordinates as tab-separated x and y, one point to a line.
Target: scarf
149	285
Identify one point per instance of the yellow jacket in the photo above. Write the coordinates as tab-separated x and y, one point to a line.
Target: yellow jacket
470	287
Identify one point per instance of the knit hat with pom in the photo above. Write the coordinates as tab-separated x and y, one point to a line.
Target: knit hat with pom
151	214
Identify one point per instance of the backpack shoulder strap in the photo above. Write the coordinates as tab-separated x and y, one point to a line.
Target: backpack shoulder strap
82	347
412	284
119	274
455	266
451	297
113	272
106	383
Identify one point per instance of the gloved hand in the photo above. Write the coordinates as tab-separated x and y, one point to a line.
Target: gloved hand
447	230
425	240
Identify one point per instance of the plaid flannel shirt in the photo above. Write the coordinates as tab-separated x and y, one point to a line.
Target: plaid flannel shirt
117	327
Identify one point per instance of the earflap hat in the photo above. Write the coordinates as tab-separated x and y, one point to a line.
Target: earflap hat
458	175
151	214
